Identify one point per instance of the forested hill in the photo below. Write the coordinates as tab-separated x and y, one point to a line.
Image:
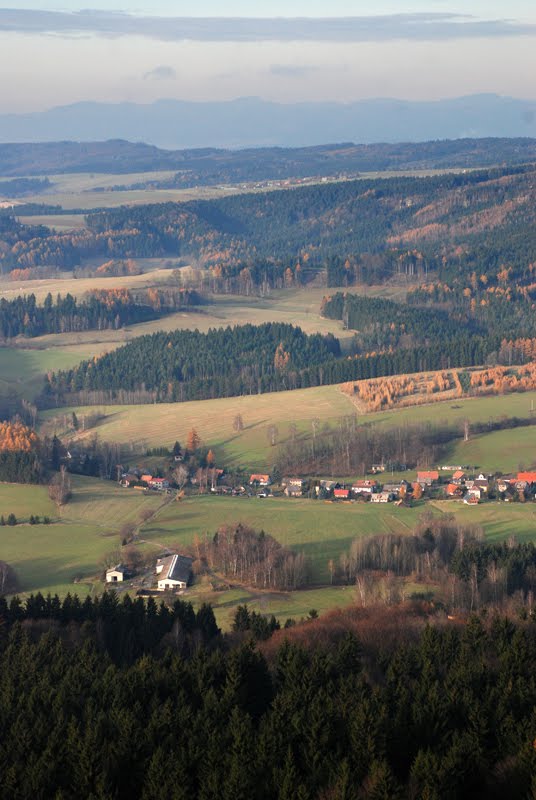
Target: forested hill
210	165
380	227
188	365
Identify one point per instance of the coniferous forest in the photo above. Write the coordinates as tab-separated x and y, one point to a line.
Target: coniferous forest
126	699
188	365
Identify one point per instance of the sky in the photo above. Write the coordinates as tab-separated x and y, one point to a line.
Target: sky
54	52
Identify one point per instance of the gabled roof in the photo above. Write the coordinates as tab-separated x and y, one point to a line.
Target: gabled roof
119	568
458	475
176	568
432	475
530	477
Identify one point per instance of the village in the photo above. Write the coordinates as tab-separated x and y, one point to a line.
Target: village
463	484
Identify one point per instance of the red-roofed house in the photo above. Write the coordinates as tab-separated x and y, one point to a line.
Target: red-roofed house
260	480
454	490
458	476
341	494
427	478
529	477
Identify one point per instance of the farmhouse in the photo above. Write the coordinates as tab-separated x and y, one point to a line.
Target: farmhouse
471	499
294	489
364	487
428	478
458	477
160	484
260	480
505	482
396	488
341	494
146	478
454	490
293	482
529	477
116	574
174	572
382	497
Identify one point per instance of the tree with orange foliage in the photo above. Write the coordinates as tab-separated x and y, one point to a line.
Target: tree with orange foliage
211	459
281	358
193	441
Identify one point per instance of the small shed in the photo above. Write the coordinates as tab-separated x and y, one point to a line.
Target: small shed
116	574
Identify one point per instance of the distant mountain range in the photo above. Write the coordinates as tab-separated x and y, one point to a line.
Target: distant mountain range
252	122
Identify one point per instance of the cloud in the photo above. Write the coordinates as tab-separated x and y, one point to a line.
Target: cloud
417	27
292	70
162	73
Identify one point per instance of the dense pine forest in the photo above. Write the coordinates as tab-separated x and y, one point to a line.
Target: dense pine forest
130	700
437	312
188	365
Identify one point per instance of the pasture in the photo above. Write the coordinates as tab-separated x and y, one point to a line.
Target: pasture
67	555
143	426
52	557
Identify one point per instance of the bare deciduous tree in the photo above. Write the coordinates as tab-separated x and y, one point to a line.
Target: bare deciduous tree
60	488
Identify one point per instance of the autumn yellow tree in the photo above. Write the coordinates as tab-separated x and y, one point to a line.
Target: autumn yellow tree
193	441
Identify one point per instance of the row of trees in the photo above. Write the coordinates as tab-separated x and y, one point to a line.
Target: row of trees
102	309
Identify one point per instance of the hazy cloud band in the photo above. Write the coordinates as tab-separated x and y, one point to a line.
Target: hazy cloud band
418	27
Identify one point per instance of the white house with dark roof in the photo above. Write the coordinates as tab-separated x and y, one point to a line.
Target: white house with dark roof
173	572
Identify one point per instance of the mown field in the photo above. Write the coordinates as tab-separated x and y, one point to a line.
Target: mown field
145	426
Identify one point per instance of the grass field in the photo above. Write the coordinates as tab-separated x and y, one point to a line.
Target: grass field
319	530
150	426
22	371
67	554
49	557
57	222
76	191
153	275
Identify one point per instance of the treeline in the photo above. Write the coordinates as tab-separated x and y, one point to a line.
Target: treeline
102	309
431	547
440	312
253	558
467	572
122	630
435	711
18	187
22	454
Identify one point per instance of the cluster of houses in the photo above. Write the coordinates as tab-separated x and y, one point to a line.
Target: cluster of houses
471	489
142	479
173	573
